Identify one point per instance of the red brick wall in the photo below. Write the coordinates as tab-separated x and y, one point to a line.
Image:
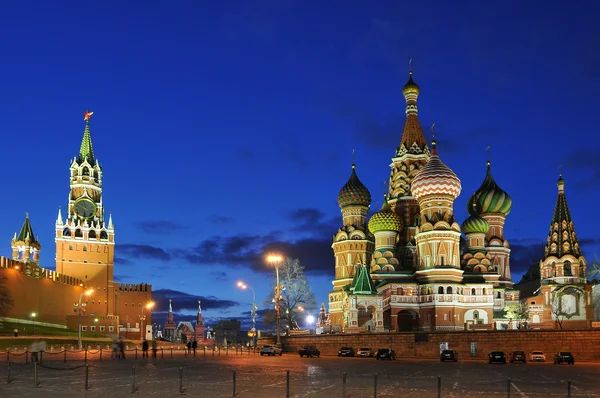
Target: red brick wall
584	344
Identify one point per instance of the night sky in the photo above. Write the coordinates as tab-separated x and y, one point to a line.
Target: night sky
226	129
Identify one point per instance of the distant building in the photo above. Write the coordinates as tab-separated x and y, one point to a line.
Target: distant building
185	331
229	332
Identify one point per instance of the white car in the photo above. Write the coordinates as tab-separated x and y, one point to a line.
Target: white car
537	356
271	350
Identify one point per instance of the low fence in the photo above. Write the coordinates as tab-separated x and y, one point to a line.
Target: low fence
286	383
26	356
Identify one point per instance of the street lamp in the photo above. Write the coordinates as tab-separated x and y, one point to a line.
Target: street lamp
142	317
33	314
254	336
95	327
275	260
79	309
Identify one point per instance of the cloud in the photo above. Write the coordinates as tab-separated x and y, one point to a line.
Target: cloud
220	275
158	227
143	251
523	256
220	219
184	301
122	261
313	220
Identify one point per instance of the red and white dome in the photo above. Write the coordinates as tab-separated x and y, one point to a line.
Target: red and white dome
435	178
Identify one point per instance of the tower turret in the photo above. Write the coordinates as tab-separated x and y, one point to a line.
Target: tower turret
199	328
475	259
436	187
563	261
494	205
25	246
385	225
170	326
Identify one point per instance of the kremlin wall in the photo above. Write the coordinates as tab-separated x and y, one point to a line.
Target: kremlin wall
84	265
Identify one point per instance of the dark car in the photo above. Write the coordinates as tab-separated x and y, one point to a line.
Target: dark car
449	355
564	356
309	351
346	352
385	353
518	356
497	356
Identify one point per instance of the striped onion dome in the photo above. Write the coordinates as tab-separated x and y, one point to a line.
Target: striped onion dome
491	197
435	178
354	193
385	220
475	224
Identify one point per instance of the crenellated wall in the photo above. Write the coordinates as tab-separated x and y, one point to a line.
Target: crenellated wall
584	344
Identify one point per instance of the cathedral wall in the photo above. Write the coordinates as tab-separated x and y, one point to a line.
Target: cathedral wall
584	344
51	300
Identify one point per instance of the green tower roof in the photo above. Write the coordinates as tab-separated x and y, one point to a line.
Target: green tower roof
26	231
362	282
86	151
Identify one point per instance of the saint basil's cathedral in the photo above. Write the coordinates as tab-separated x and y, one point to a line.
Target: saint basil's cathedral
409	268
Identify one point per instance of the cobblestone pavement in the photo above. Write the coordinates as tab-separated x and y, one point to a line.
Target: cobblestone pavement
264	377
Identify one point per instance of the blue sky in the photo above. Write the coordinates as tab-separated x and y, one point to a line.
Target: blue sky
226	129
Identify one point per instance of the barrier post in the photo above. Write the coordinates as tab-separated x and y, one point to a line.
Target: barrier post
344	385
439	386
569	388
181	390
7	356
35	380
133	389
234	392
287	384
85	357
204	350
171	352
136	352
508	387
162	353
26	357
65	356
100	353
8	379
87	377
375	385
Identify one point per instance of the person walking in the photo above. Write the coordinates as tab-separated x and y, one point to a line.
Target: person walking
189	347
194	345
145	348
121	349
115	350
154	348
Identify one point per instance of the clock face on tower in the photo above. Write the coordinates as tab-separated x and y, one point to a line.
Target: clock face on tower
85	208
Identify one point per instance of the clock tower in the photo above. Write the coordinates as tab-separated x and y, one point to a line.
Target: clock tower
84	242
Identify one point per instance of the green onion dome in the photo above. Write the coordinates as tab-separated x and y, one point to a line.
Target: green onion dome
385	220
475	224
354	193
491	197
411	86
435	178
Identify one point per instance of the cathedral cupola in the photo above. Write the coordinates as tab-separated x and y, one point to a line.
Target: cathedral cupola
492	198
474	224
385	220
385	225
435	178
354	193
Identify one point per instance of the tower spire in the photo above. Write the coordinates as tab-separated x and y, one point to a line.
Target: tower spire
412	140
59	220
433	143
86	152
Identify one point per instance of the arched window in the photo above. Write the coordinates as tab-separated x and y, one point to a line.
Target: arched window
85	171
418	221
440	290
84	248
78	233
499	295
567	269
475	314
449	290
473	292
92	234
103	235
66	232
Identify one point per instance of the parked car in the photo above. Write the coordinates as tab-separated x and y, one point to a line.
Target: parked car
346	352
364	352
385	353
497	356
518	356
564	356
271	350
537	356
449	355
309	351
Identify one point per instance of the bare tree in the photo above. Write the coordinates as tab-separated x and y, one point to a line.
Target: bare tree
558	316
518	312
296	296
6	301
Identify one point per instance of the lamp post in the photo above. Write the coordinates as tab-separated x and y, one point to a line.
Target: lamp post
142	317
79	309
33	314
276	259
95	327
243	286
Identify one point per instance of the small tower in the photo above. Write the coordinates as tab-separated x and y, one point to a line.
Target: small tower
365	307
25	246
352	244
475	227
385	225
495	205
436	187
170	326
199	328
